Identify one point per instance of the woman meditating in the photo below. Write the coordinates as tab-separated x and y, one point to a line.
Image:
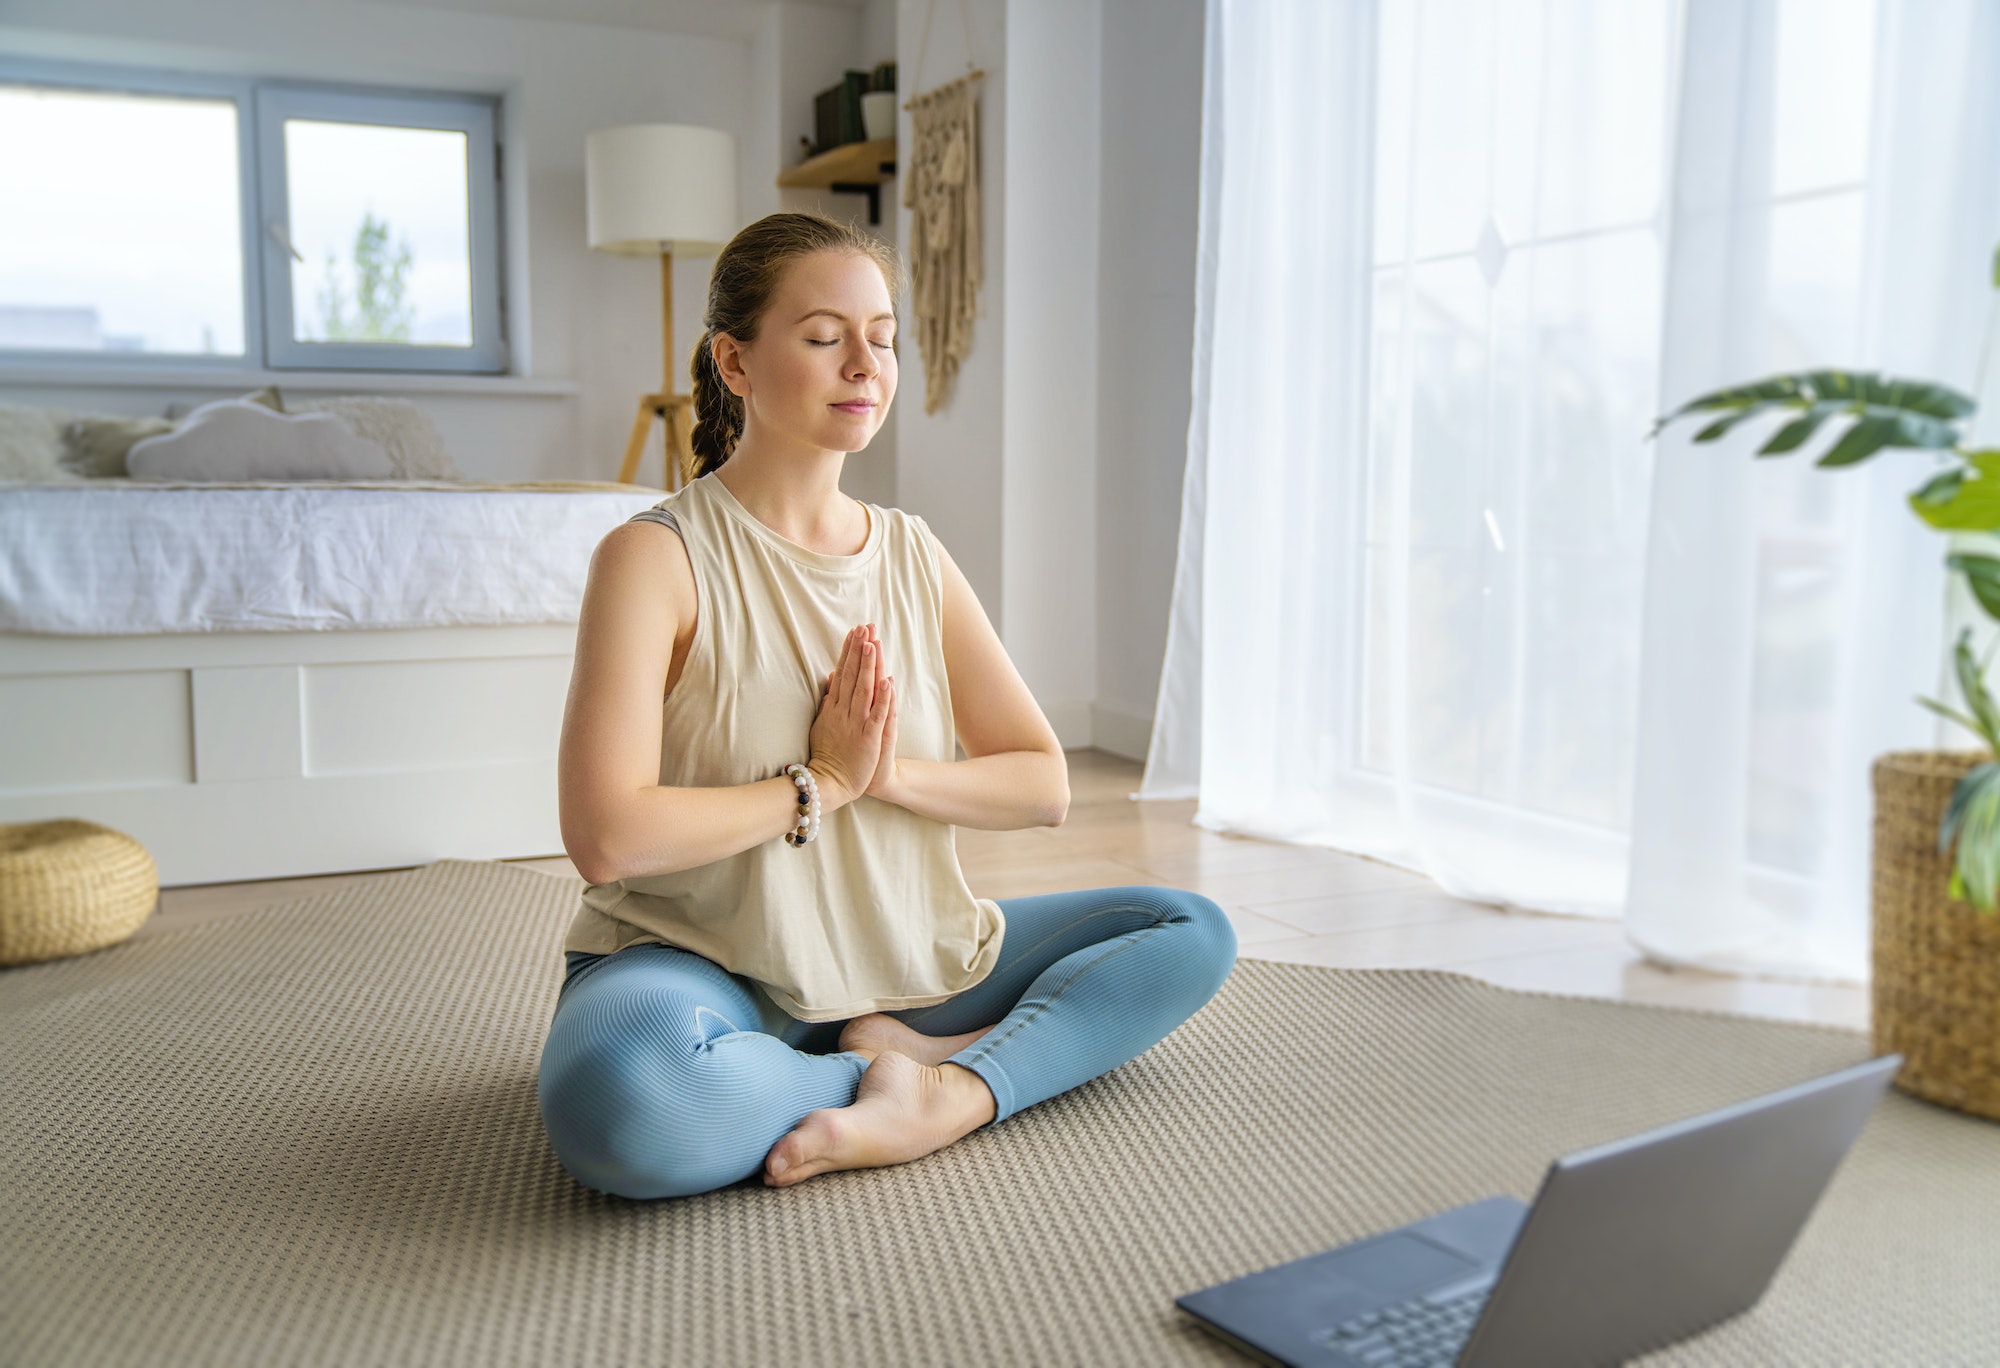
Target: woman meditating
778	964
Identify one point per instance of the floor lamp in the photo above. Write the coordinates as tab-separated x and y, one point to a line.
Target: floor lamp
661	188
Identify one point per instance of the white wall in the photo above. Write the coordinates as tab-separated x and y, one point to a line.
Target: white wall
1152	74
1005	471
1054	473
879	19
949	463
591	319
1049	444
812	46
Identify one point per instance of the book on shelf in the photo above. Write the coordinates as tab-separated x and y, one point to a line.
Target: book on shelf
826	118
853	88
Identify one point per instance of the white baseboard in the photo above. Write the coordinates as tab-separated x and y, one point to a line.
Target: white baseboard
1119	732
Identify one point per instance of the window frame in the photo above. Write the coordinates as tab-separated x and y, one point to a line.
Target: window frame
135	81
261	183
478	117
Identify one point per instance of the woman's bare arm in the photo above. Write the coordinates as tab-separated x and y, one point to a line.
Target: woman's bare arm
1015	774
618	820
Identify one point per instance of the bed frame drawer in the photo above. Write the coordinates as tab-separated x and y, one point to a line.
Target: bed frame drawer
262	755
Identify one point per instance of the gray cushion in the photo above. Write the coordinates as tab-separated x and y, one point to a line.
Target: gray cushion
31	445
96	447
416	451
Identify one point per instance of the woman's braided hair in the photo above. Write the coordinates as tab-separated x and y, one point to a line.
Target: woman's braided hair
740	289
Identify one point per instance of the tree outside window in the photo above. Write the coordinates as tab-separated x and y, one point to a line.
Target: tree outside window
381	311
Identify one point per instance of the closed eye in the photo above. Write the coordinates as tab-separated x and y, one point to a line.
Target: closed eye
885	346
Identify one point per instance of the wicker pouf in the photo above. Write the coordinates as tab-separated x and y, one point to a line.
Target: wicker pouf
1936	972
68	886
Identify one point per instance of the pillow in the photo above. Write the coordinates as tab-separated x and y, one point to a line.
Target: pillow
267	396
404	430
95	447
31	445
235	439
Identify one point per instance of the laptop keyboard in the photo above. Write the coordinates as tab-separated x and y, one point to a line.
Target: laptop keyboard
1421	1333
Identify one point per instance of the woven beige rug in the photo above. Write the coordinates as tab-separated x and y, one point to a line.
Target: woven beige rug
307	1134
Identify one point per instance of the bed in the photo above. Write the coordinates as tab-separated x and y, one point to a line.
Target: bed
267	679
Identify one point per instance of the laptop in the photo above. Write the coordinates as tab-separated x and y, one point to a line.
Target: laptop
1627	1247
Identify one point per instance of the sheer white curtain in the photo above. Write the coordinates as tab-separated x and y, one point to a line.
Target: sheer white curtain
1439	599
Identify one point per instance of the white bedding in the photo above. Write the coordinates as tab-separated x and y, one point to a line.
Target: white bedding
104	557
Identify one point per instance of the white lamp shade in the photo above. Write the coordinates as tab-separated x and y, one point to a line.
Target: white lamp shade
661	187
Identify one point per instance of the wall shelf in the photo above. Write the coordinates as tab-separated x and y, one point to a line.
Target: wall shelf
857	168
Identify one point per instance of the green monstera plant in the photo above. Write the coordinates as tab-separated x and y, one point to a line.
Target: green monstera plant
1964	497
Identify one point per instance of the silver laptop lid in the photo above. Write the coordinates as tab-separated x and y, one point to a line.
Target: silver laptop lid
1646	1240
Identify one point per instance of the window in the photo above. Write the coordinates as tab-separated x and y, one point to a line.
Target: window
214	221
1522	155
1518	330
372	245
121	221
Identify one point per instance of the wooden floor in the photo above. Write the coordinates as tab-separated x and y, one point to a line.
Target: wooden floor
1305	904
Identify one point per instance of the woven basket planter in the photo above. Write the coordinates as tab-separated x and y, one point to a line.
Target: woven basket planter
68	886
1936	975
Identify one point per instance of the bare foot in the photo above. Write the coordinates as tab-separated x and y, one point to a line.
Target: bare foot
902	1110
872	1034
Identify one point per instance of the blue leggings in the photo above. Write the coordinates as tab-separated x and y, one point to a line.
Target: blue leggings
663	1074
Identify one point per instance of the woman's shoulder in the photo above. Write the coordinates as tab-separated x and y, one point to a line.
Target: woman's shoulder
907	529
912	551
644	561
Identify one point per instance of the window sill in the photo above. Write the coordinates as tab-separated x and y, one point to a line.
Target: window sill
170	377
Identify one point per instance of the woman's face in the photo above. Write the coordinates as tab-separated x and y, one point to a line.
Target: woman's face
823	368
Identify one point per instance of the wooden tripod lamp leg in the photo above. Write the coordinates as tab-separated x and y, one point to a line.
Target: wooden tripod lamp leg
679	438
666	405
636	446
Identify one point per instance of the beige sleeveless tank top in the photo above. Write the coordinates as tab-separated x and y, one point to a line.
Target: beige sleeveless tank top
875	915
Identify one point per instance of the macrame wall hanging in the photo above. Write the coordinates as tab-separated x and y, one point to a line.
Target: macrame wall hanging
942	188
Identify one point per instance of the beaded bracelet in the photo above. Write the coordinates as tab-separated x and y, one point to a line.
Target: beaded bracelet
808	826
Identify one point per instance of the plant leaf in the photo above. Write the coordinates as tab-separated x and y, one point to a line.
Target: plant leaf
1965	498
1940	489
1953	714
1887	391
1974	812
1982	576
1956	806
1972	684
1799	431
1861	441
1884	427
1776	389
1890	411
1729	420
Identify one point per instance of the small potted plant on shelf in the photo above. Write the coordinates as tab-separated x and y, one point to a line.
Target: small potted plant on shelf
1935	931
